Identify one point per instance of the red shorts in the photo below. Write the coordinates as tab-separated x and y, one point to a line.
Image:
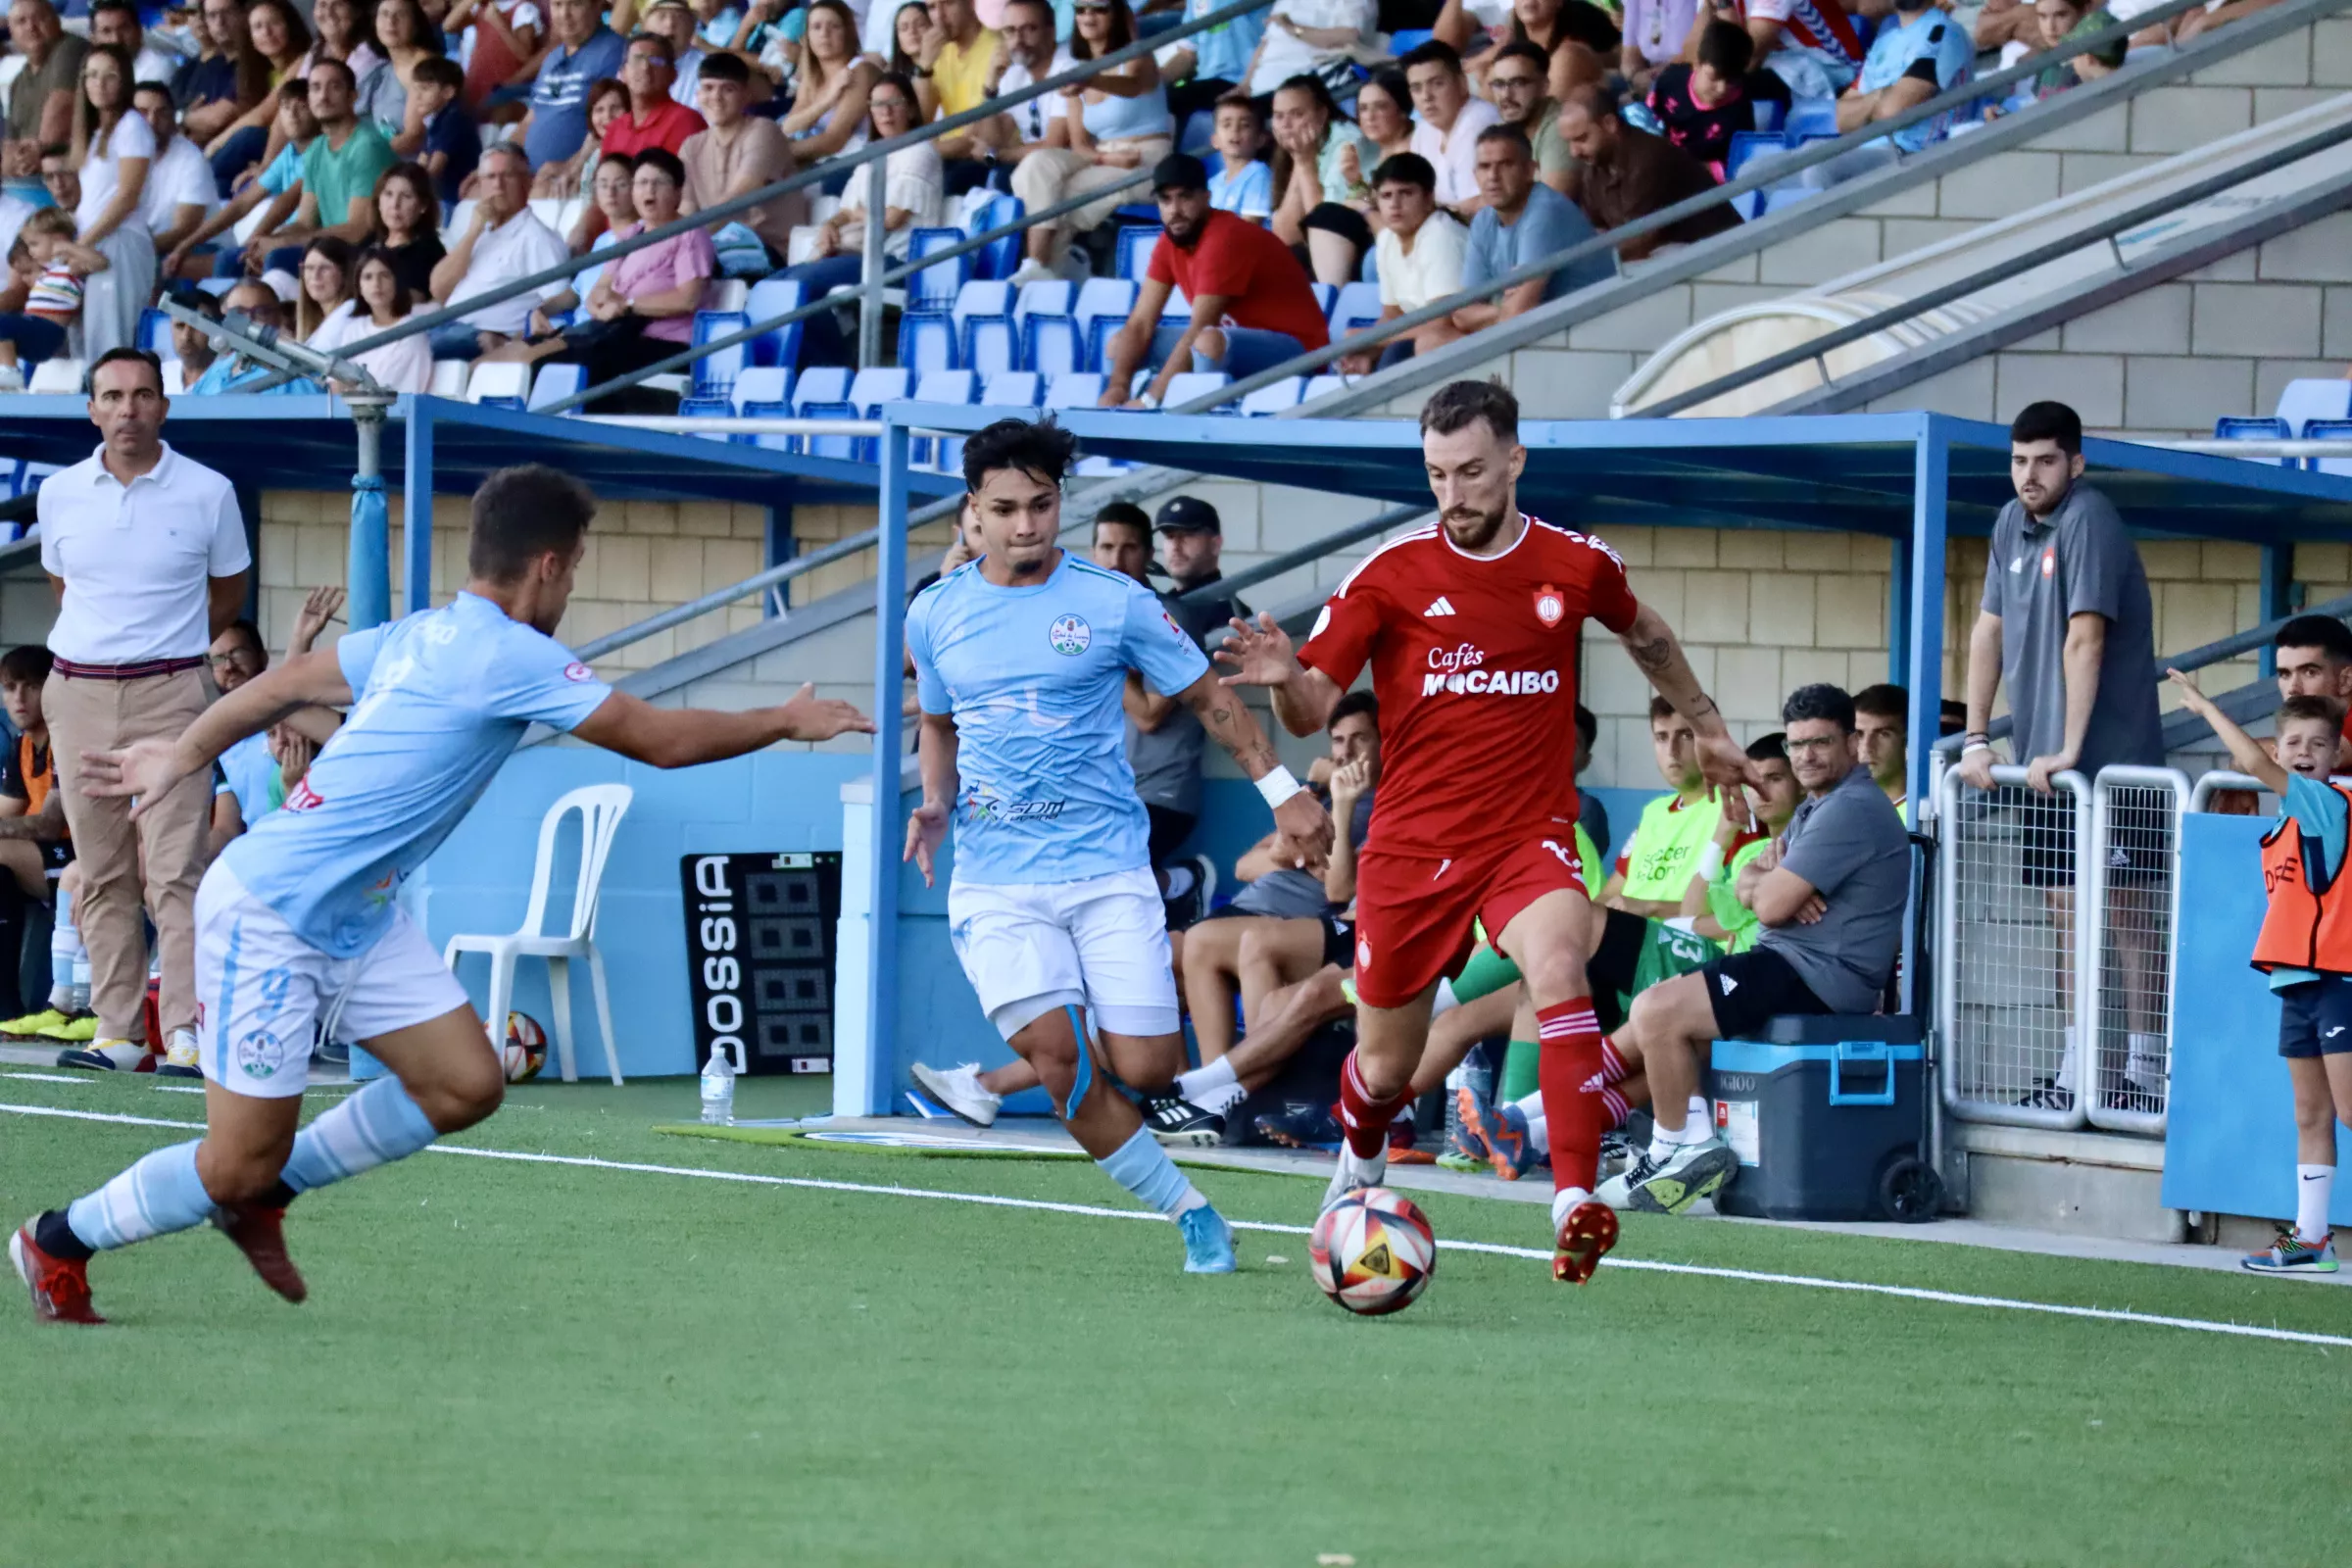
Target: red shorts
1414	914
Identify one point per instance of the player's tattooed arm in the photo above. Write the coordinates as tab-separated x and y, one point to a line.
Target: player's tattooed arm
1305	826
1658	654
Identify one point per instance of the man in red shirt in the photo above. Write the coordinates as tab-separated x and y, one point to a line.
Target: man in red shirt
1471	626
1252	307
655	119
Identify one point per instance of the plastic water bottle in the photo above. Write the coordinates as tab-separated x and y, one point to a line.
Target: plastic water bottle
718	1089
82	984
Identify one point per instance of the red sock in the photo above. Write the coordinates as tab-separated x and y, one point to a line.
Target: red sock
1365	1120
1568	1070
1617	1106
1613	1069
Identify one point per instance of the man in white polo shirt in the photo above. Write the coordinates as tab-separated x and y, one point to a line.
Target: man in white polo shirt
146	551
504	241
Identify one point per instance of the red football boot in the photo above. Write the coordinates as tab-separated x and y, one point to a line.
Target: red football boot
1589	1232
260	1234
61	1289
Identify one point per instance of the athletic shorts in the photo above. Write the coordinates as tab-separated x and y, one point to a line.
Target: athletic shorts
1102	943
1748	988
2138	847
56	856
1635	953
1415	916
2315	1018
1339	939
263	993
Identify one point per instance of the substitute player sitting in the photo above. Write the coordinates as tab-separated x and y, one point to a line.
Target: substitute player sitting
297	924
1019	660
1471	628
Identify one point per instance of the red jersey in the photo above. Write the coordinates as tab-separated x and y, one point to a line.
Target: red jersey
1473	662
1264	284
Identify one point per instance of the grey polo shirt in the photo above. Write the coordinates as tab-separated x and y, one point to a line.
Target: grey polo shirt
2041	573
1166	760
1288	894
1850	845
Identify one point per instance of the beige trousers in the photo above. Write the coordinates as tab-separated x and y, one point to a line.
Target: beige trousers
1053	174
169	839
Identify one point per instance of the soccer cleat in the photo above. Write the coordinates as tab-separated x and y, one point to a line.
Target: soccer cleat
61	1289
1465	1145
1207	1241
1589	1232
961	1091
72	1028
1618	1153
261	1234
105	1055
1178	1123
1300	1127
1510	1150
1354	1174
180	1060
36	1023
2047	1094
2289	1253
1670	1186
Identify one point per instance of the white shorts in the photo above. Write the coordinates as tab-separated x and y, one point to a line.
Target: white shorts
263	992
1029	947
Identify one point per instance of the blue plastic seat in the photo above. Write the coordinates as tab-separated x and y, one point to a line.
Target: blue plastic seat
1041	318
556	382
768	299
927	343
1326	296
1274	399
940	386
869	391
2314	398
1012	389
1811	117
716	371
1134	250
933	289
1321	386
707	408
1190	385
155	333
1200	128
1357	307
999	257
983	318
769	387
1103	307
2254	427
1080	389
771	411
2328	430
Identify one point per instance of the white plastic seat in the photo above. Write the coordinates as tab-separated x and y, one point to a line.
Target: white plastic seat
600	807
449	378
61	375
498	379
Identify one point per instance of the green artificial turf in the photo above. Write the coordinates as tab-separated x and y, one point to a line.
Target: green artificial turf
510	1363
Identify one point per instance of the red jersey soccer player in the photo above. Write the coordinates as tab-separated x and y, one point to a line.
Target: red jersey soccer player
1471	628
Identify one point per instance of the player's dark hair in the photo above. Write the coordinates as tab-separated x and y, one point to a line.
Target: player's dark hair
1435	52
1457	404
728	67
1820	700
2327	634
1524	49
1352	704
27	665
522	513
1772	748
1883	701
1040	449
1406	168
1587	726
116	356
1127	515
1660	707
663	161
2050	421
1726	49
439	71
2302	707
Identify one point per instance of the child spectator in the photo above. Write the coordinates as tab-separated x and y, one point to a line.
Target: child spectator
52	270
1702	107
451	145
35	847
2302	948
1244	185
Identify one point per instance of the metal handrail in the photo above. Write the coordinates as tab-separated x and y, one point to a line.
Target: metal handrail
1313	550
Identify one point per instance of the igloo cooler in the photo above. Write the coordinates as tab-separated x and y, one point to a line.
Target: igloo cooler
1829	1119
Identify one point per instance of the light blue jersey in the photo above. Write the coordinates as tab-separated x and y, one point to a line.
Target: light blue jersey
443	697
1032	678
1930	46
247	768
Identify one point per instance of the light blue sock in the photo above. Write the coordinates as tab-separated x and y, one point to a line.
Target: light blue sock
155	1196
373	1127
1145	1169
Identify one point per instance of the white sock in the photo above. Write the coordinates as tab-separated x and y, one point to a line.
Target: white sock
1212	1086
1663	1144
1702	1116
1180	881
1563	1200
2312	1184
1538	1126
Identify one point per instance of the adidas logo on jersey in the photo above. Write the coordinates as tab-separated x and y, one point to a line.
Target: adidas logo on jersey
1492	682
1441	608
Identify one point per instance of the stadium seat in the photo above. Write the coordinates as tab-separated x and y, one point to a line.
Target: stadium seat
1369	271
932	291
555	382
768	299
1178	307
57	376
217	286
823	393
1081	389
1192	385
1810	116
2312	398
707	408
1326	296
1283	394
1320	386
927	343
2256	427
1050	343
449	378
717	370
155	331
999	257
2328	430
725	294
1357	307
1200	130
763	383
1103	308
499	385
868	392
960	387
768	411
1012	389
1404	41
1134	250
983	318
600	807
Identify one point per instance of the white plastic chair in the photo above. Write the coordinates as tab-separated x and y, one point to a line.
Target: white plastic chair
600	807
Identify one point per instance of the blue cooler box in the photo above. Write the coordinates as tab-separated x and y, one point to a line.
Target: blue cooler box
1824	1130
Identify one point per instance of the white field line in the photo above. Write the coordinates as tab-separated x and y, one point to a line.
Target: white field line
993	1201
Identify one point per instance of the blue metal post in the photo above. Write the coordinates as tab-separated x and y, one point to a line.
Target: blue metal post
367	581
1898	614
1924	647
888	822
416	509
2277	595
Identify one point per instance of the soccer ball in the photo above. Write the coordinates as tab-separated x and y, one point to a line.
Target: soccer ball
1372	1251
525	1049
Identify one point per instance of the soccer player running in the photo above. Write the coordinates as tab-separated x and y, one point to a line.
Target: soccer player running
1471	628
1019	660
296	923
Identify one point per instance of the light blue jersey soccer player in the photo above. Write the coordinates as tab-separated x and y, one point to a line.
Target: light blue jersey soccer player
1019	660
296	922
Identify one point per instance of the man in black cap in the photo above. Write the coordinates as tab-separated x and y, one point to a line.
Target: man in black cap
1251	305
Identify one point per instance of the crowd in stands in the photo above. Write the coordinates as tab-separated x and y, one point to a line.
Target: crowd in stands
333	149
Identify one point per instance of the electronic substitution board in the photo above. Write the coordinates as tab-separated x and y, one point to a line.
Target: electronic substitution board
759	957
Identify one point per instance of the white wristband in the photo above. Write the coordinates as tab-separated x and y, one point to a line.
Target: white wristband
1975	746
1710	861
1278	786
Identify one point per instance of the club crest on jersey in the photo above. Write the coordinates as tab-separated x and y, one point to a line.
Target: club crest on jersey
1070	635
1550	608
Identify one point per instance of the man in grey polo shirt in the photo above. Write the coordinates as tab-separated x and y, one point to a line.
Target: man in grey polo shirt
2066	621
1830	896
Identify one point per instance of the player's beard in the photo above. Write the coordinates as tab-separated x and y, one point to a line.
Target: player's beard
1475	530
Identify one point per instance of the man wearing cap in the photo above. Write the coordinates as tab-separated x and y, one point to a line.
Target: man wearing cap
1251	305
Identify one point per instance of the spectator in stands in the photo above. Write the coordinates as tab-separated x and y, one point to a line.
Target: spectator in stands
408	40
1210	64
230	372
1523	220
1809	44
952	65
616	204
2196	23
325	283
407	226
1028	55
1654	872
179	191
582	53
1654	32
1750	821
2066	620
608	101
1251	308
673	22
1308	37
41	99
340	166
503	241
282	39
1917	53
113	149
192	347
2047	26
116	24
1112	127
218	88
1830	898
655	119
2313	656
380	301
1629	174
1240	183
439	132
737	154
908	27
1881	727
1450	124
342	33
1383	120
1591	814
1313	140
253	779
1191	538
279	186
642	309
151	549
829	104
1703	106
44	301
914	196
34	845
1422	251
1515	83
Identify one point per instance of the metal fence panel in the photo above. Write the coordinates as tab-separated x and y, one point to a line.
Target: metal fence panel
2131	889
2007	1006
